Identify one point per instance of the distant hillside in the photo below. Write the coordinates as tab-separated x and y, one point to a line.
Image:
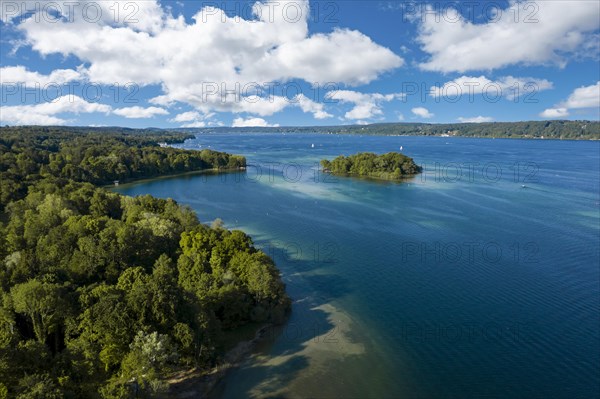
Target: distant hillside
566	130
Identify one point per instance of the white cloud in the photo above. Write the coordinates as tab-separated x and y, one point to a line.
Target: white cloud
530	33
422	112
186	117
366	105
161	100
584	97
307	105
251	122
555	113
141	16
477	119
581	98
200	62
20	75
140	112
508	86
45	113
194	124
344	55
195	119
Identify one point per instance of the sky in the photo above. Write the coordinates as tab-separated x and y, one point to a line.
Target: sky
175	64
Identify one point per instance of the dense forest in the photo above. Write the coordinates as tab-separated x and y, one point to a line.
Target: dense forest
390	166
566	130
103	295
96	156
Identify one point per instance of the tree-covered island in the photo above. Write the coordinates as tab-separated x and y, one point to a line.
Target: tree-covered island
390	166
104	295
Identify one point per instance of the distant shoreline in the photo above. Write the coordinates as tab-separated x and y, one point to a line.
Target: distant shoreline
240	131
398	135
582	130
573	130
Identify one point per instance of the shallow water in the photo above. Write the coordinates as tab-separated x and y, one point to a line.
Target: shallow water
478	278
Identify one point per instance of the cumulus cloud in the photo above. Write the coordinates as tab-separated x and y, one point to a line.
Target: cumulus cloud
366	105
45	113
214	61
344	56
251	122
584	97
551	113
195	119
307	105
581	98
422	112
140	112
140	16
508	86
529	33
194	124
21	75
477	119
186	117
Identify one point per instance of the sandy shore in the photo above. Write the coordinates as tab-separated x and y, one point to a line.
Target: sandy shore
195	383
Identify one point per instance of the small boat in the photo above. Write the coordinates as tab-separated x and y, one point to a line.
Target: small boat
312	146
401	148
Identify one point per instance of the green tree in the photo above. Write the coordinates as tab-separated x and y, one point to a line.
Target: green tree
42	303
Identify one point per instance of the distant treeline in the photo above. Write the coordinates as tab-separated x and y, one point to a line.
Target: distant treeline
566	130
104	295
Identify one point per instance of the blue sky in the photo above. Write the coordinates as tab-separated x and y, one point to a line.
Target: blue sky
231	63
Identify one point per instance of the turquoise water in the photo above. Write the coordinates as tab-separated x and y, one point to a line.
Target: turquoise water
484	283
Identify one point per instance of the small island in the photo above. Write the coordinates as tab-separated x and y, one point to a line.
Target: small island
390	166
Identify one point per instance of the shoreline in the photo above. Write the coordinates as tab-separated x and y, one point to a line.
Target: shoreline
403	179
211	171
195	383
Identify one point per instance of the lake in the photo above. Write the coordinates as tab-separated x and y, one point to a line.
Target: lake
479	277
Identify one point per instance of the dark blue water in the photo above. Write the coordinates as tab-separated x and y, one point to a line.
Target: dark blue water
479	278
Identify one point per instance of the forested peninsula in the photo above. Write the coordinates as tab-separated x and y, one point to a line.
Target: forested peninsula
103	295
390	166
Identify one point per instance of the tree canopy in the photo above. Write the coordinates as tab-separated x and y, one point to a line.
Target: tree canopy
560	129
102	294
28	154
390	166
